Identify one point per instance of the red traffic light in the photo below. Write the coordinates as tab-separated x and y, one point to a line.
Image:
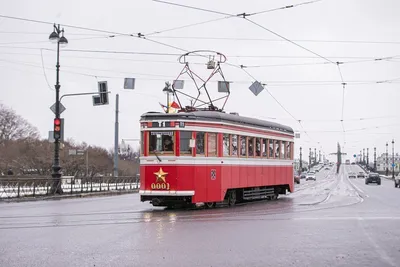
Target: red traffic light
57	122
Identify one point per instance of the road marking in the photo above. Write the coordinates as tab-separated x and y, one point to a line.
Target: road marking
346	218
378	249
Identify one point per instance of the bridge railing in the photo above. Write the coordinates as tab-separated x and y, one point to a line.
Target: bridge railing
18	187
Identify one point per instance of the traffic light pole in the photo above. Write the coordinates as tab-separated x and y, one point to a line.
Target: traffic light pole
115	171
56	168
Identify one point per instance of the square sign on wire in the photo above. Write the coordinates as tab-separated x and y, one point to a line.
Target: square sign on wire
256	88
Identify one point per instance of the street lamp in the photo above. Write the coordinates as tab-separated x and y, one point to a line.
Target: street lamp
56	168
374	159
393	159
387	160
300	163
167	90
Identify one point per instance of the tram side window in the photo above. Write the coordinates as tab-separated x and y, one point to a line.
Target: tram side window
258	147
271	149
283	149
161	141
277	149
200	143
288	150
264	147
226	144
184	142
243	151
212	144
250	146
234	145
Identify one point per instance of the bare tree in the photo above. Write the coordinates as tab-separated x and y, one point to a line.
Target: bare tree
14	127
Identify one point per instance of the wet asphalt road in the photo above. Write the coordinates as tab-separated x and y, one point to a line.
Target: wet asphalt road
331	222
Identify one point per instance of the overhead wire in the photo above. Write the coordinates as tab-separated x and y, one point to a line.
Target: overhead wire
44	71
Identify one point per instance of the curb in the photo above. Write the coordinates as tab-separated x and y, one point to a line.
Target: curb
69	196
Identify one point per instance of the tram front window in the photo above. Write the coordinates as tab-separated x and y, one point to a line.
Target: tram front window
161	142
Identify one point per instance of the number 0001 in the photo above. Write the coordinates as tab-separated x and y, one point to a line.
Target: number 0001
160	186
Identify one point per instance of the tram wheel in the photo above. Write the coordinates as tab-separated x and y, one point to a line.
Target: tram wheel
210	205
232	198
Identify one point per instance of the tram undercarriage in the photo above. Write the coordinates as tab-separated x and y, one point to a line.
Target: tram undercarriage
232	197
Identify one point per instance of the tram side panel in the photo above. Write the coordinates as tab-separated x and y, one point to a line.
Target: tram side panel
213	183
200	186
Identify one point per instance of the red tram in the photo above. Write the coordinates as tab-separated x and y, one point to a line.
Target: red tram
213	157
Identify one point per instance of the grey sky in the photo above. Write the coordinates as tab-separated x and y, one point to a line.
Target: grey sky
319	107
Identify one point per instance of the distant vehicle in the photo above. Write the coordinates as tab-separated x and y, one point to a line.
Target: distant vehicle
353	163
373	178
327	168
297	179
397	181
303	175
361	175
311	176
352	175
347	162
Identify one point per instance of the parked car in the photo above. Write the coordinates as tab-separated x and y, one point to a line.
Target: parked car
311	176
352	175
303	175
397	181
297	179
373	178
361	175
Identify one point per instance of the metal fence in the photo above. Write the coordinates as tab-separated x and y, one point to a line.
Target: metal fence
18	187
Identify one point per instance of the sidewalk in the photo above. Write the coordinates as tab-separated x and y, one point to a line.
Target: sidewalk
68	196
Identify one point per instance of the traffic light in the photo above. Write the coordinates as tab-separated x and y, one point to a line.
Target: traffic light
103	90
57	128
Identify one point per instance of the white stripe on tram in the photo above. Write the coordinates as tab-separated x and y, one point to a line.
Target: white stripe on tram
152	160
165	193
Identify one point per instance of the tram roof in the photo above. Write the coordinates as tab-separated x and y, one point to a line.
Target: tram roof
216	116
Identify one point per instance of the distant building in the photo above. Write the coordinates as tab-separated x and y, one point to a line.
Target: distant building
385	161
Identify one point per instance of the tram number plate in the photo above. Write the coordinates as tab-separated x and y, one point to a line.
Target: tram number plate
213	174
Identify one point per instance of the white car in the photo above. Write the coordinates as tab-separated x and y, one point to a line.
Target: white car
311	176
397	181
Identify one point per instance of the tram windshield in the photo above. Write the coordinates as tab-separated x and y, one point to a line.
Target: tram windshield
161	141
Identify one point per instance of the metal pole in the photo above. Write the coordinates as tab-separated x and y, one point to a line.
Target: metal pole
387	160
309	159
167	102
375	159
367	157
56	168
116	136
315	155
393	159
87	162
301	163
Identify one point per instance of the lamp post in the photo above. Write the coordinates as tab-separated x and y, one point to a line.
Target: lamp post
167	90
393	159
387	160
300	163
375	159
363	156
315	155
56	168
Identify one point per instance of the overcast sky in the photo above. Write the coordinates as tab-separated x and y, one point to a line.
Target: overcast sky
307	86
